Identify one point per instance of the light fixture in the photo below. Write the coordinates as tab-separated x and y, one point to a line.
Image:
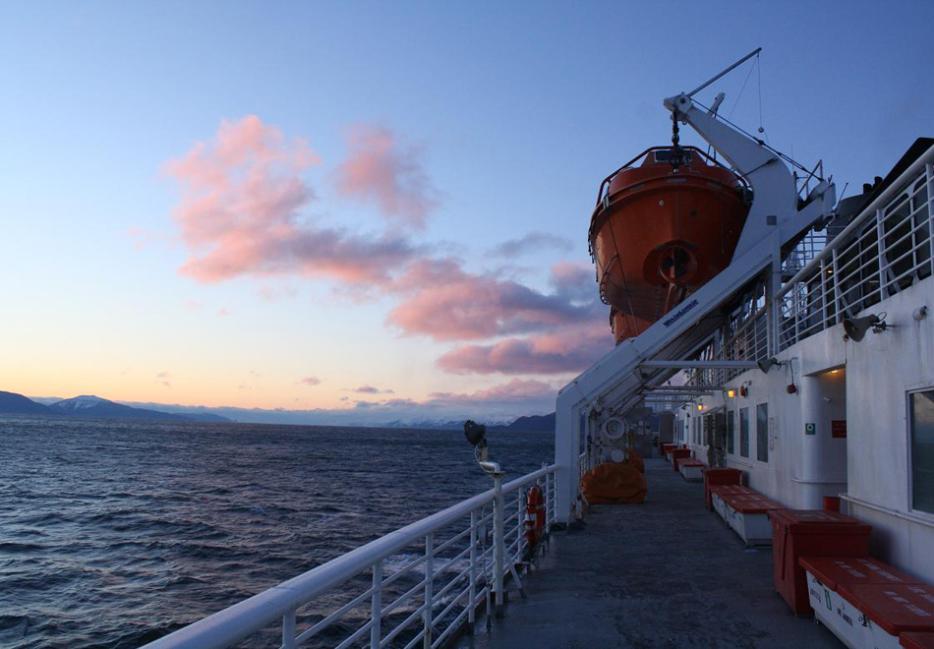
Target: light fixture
700	406
765	364
731	393
476	437
856	328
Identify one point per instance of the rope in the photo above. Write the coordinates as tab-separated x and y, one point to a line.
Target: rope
743	88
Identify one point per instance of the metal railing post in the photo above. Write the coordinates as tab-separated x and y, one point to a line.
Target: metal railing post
376	606
880	250
288	630
429	583
499	545
929	173
520	524
837	298
547	500
472	575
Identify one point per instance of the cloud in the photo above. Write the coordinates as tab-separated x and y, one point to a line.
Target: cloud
380	170
513	392
447	303
239	213
531	242
310	381
369	389
571	349
163	378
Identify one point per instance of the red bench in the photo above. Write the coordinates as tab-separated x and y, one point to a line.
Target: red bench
668	448
800	533
691	469
745	510
677	453
713	477
866	602
914	640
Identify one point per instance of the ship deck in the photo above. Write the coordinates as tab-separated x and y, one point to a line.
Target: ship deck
667	573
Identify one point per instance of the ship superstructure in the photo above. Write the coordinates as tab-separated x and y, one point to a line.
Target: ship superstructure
788	340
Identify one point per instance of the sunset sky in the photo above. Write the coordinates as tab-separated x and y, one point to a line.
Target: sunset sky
376	210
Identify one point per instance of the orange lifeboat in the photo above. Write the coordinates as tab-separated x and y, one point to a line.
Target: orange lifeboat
665	223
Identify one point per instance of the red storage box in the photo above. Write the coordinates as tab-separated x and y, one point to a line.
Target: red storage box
842	574
897	608
676	453
916	640
800	533
719	477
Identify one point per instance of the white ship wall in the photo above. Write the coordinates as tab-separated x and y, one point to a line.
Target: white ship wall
865	383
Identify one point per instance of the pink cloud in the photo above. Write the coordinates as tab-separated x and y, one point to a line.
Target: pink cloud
516	391
239	213
570	349
447	303
310	381
379	170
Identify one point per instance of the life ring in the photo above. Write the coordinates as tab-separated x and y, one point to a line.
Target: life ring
534	516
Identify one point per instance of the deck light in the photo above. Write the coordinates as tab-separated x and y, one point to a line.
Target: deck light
476	435
856	328
700	406
766	364
731	393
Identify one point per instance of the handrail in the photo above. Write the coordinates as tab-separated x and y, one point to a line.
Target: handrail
868	210
241	620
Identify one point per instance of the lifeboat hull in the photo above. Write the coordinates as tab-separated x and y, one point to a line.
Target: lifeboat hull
659	232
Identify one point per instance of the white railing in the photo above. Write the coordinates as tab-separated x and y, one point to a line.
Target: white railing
886	249
463	556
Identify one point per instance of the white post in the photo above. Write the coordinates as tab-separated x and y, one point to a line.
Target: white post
929	173
837	297
288	630
880	247
499	545
548	505
567	453
376	606
520	524
429	596
472	575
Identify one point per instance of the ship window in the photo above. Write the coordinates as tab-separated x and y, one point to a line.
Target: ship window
729	431
921	407
762	432
744	432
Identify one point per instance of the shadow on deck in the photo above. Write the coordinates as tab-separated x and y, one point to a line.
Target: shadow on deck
667	573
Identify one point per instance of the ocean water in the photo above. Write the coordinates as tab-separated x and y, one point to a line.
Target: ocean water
115	533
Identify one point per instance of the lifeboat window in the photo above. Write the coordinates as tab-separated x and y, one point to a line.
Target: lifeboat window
921	416
664	155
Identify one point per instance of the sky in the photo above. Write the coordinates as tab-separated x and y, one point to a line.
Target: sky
369	212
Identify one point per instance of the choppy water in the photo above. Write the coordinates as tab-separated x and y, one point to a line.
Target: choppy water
115	533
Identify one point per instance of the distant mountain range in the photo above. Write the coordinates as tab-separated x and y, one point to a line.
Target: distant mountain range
91	407
533	424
